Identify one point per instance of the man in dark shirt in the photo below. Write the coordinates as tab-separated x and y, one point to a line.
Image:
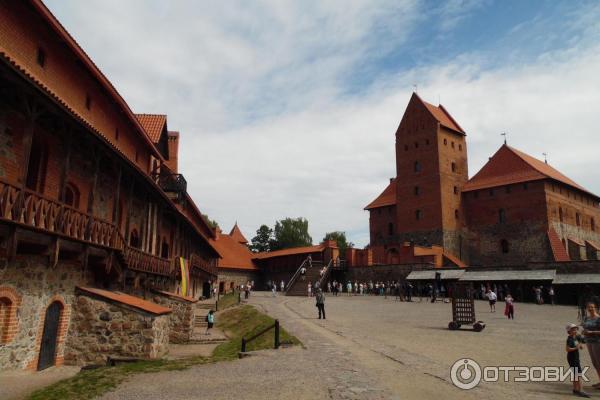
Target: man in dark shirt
573	347
321	302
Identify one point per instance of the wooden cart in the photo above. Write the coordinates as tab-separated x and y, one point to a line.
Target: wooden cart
463	308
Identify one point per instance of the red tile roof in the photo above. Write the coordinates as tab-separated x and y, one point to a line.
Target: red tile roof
509	165
126	299
386	198
441	115
234	254
288	252
237	234
153	124
558	250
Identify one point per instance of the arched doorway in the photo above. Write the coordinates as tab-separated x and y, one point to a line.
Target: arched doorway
206	290
47	357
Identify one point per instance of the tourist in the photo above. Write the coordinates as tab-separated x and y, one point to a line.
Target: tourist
247	290
551	294
282	286
321	303
303	273
538	295
274	289
349	288
309	260
591	331
210	321
573	346
309	289
491	295
409	289
328	287
509	310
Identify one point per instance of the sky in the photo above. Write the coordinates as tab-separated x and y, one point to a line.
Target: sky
290	108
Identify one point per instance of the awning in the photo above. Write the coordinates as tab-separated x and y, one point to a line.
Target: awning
593	245
429	275
576	279
576	241
507	275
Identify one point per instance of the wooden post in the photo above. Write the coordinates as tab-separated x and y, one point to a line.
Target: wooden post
65	166
276	334
116	212
243	345
128	206
32	114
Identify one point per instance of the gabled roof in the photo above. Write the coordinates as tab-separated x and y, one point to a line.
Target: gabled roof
509	165
386	198
235	255
237	234
288	252
441	115
153	124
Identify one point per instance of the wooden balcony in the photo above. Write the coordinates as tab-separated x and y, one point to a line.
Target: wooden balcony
31	210
199	263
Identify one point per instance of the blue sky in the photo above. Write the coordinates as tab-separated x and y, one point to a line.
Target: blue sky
289	109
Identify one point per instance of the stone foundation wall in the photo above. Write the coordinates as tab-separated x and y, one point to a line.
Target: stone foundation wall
102	329
382	273
238	277
181	320
36	286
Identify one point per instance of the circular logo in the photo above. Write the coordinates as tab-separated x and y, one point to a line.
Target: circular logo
465	374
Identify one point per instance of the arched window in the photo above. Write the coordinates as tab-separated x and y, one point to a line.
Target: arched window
71	195
460	147
453	167
445	142
134	239
38	160
560	214
5	318
501	216
418	214
417	166
504	246
390	229
164	249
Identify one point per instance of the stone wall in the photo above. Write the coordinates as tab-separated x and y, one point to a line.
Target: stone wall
236	277
181	320
381	273
37	286
102	329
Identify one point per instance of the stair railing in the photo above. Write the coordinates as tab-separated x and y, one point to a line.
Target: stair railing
295	276
326	274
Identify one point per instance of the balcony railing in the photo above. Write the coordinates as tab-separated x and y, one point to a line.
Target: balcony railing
141	261
174	183
202	264
29	208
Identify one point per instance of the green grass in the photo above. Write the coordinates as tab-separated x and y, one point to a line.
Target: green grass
236	322
227	300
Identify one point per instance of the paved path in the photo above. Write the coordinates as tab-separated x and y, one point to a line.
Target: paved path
19	384
374	348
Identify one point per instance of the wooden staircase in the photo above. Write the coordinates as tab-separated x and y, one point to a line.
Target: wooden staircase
300	286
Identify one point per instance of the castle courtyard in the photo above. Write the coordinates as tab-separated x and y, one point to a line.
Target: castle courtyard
376	348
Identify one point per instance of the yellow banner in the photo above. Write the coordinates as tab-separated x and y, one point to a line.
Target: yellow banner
185	276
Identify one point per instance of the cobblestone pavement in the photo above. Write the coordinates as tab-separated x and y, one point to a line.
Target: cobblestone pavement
374	348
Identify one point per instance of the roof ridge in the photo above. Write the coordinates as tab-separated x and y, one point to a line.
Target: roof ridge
152	115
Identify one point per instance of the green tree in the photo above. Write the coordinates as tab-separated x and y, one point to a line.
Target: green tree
211	222
291	232
342	242
262	240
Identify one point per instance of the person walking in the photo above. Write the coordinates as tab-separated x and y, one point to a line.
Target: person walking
274	289
573	346
591	331
210	321
491	295
282	286
509	310
551	294
321	303
309	289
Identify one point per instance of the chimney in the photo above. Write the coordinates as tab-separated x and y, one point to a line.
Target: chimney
173	148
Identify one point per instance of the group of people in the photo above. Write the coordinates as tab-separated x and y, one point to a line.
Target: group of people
247	288
402	290
589	339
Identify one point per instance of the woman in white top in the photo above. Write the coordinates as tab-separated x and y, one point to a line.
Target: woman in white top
309	289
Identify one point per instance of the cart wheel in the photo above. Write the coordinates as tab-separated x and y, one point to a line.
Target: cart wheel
478	326
453	326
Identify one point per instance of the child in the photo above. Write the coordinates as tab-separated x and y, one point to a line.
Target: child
573	347
210	319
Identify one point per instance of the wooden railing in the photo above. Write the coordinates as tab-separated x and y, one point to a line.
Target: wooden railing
296	275
29	208
141	261
201	263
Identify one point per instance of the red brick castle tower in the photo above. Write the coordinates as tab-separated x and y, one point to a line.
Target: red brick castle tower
431	169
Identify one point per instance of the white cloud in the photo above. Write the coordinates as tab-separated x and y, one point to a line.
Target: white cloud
257	93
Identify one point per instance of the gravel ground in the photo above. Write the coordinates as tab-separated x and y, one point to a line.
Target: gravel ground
19	384
375	348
